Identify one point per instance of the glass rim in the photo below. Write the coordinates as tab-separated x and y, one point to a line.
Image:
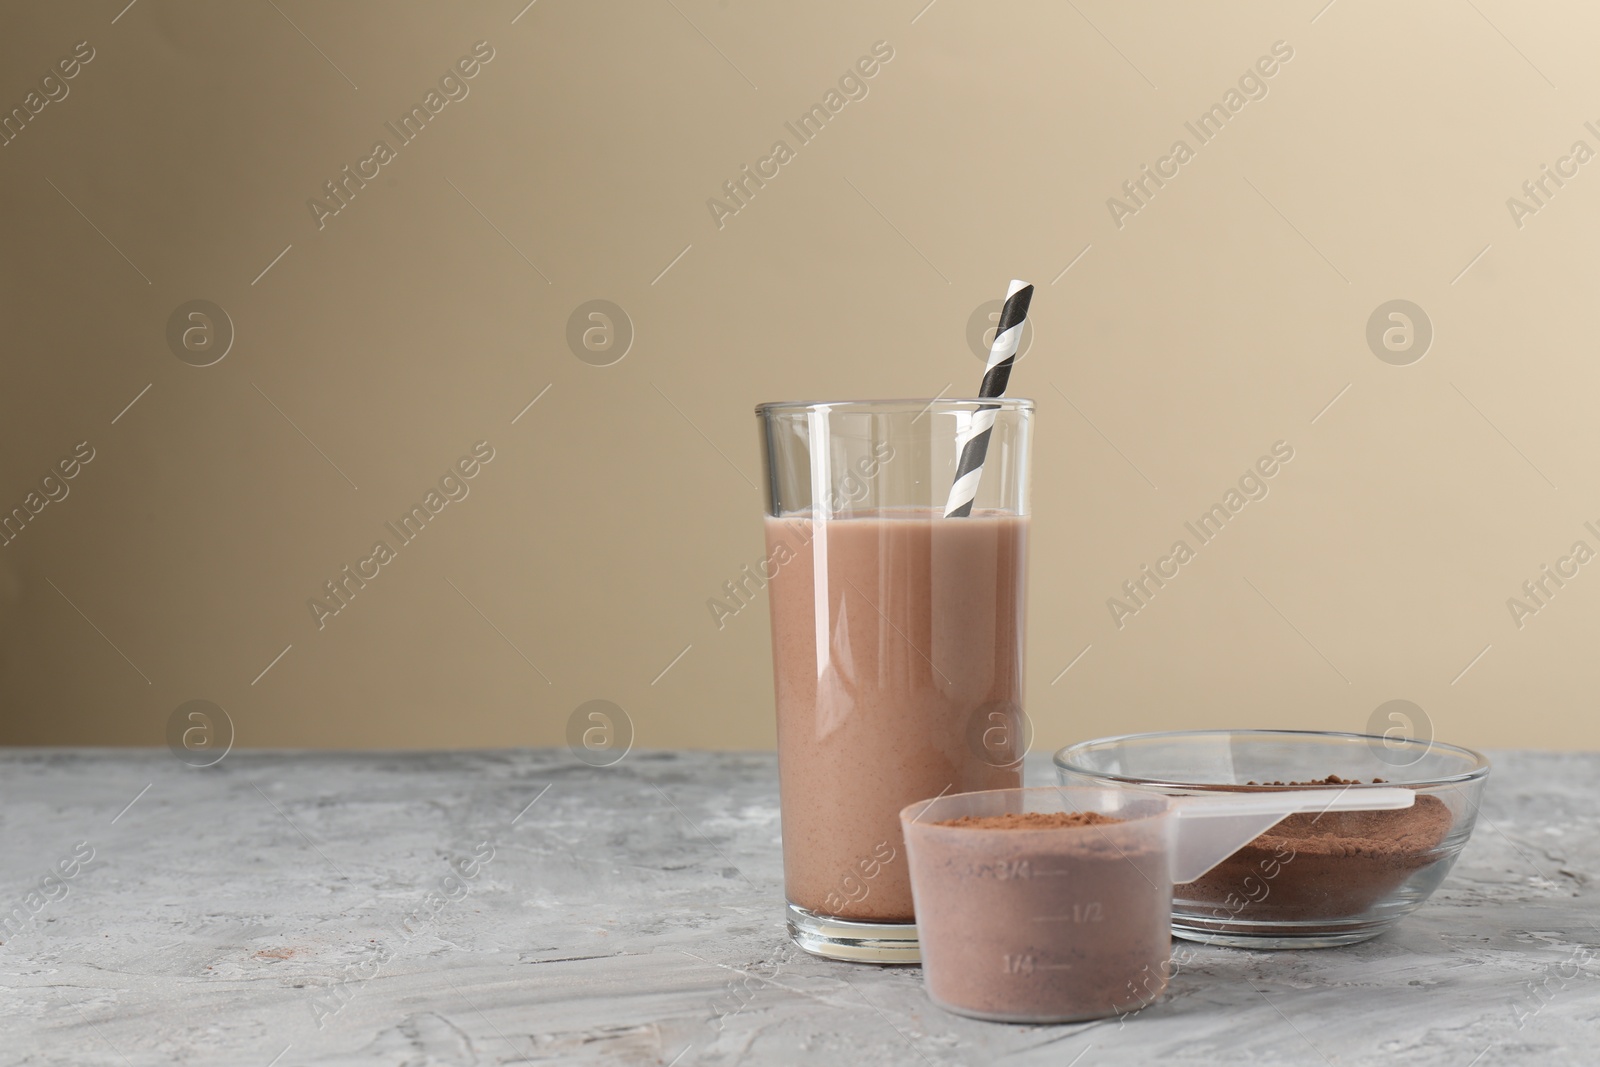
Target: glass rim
1062	758
922	404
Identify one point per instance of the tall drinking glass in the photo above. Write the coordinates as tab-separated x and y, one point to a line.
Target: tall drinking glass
897	644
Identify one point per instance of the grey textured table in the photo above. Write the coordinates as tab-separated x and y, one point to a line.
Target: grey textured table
413	909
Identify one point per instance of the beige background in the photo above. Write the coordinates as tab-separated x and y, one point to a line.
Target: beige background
1226	315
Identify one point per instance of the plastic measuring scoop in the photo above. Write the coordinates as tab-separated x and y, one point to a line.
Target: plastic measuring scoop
1054	904
1210	829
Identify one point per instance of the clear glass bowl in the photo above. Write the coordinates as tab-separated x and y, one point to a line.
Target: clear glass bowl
1312	880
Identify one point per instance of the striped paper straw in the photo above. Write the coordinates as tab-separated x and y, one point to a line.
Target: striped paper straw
1002	354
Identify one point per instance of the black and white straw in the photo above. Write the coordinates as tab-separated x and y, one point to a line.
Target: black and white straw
1002	354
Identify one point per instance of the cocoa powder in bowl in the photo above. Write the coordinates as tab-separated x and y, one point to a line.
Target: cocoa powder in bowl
1330	867
1042	916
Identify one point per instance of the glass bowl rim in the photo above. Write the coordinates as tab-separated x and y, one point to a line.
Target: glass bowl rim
1478	770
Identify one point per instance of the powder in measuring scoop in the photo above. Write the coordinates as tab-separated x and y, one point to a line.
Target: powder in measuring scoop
1042	916
1031	820
1328	866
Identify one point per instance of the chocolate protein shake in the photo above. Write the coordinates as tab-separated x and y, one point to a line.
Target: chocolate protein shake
897	650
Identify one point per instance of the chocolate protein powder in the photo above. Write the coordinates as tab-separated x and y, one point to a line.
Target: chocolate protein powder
1042	917
1031	820
1312	867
